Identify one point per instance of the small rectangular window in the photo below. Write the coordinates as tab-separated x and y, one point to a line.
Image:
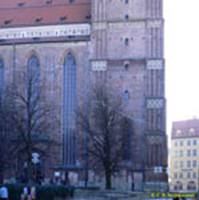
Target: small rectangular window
181	164
194	175
194	163
181	175
188	163
194	152
188	152
181	153
176	164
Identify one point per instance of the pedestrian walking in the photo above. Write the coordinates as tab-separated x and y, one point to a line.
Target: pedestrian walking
4	193
33	193
26	193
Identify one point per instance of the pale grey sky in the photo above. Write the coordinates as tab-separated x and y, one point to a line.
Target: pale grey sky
182	59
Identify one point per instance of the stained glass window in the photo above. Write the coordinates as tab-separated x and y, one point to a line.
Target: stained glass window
69	105
1	75
33	76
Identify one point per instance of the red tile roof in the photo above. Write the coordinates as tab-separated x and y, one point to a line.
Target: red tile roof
182	128
43	12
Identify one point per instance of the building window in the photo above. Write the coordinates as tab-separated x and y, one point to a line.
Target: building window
1	76
155	155
194	163
181	153
188	175
176	153
126	17
188	152
188	163
178	186
188	142
126	66
176	143
126	41
194	152
181	164
175	175
191	186
178	132
181	175
194	142
191	131
126	150
69	106
181	143
194	175
33	77
33	67
126	96
176	164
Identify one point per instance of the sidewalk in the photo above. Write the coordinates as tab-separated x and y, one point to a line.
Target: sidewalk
107	195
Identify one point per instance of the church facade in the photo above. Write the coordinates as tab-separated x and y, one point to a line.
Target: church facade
119	42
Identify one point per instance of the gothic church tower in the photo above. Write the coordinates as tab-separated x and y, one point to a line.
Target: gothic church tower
127	53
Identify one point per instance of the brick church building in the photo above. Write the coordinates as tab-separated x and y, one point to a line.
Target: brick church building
72	42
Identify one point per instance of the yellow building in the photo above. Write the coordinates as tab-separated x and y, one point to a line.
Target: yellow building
184	156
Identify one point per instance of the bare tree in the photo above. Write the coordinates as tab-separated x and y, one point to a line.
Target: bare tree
7	149
107	131
31	116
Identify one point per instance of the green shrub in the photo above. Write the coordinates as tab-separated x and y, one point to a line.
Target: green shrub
45	193
91	188
15	191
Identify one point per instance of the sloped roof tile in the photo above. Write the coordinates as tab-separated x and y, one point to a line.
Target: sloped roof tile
16	13
182	128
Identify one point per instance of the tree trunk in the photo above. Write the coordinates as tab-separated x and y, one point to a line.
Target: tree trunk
30	167
30	172
108	179
1	176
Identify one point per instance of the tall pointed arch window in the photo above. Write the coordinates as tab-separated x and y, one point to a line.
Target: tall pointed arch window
1	75
33	76
33	68
69	105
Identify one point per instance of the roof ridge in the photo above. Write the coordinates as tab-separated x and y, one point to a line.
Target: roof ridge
46	6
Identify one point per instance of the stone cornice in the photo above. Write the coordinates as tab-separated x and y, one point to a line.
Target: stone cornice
55	31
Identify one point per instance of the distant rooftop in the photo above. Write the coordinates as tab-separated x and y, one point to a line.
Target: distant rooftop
185	128
16	13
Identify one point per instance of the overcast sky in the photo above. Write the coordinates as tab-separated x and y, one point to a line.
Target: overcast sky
182	59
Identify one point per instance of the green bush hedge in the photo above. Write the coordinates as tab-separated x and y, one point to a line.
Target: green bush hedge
91	188
42	192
